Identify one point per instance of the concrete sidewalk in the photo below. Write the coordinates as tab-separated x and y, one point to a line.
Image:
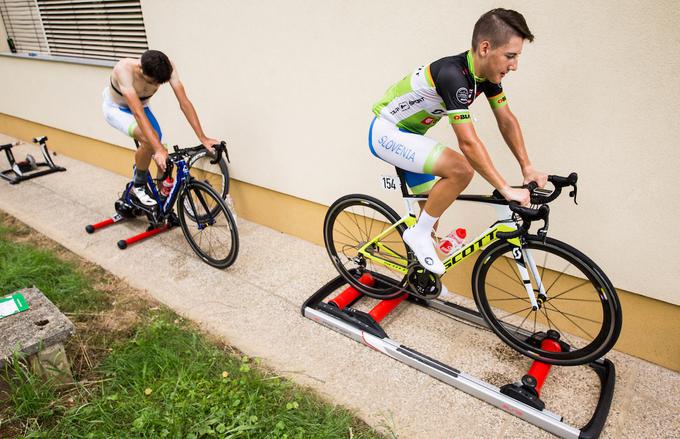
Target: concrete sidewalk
255	306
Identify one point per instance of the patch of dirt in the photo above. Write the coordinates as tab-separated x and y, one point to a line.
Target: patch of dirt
497	379
121	321
506	354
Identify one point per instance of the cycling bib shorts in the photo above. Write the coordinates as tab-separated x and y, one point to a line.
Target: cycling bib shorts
414	153
121	118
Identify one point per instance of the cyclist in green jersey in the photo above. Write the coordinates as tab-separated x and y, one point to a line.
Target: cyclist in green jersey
447	87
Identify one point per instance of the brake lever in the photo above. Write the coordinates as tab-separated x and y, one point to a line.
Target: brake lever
543	231
572	194
220	148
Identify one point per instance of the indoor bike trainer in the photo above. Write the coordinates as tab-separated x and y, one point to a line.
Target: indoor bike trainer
29	168
521	399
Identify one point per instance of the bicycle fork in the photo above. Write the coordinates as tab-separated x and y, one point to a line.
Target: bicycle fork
523	258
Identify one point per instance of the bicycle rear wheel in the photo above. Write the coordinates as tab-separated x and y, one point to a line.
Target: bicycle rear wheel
208	225
581	303
352	221
216	175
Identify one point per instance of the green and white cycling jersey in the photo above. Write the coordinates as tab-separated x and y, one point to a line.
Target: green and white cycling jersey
445	87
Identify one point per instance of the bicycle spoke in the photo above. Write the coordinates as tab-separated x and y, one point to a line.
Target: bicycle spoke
368	235
573	300
577	325
558	278
357	219
210	246
571	289
565	314
346	236
547	318
353	218
508	293
351	235
346	244
514	270
520	325
514	279
514	313
370	231
216	237
545	264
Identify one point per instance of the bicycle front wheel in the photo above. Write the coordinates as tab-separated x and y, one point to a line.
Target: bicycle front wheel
580	302
208	225
350	223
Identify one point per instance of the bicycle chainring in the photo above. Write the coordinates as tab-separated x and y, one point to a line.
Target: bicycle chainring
423	283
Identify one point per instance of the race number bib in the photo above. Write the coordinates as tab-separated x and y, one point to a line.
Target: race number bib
389	182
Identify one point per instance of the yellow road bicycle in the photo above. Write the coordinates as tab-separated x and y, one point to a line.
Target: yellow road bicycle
526	286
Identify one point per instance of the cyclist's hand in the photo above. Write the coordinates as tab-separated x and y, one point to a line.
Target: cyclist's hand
208	143
530	174
161	157
516	194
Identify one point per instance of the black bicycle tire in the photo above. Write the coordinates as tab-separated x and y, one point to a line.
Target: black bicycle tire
612	314
352	276
221	205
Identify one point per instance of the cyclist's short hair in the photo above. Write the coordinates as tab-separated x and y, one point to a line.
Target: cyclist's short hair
156	65
499	25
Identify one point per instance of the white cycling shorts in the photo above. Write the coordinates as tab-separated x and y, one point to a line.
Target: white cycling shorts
414	153
121	117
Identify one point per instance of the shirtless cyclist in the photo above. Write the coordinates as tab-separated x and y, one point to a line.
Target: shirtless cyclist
448	87
126	107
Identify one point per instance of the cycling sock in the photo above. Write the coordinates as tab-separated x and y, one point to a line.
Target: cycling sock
140	178
425	224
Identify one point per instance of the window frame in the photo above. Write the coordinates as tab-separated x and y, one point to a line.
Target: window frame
116	45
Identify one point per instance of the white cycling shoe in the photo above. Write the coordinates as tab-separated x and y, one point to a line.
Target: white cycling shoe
140	195
423	247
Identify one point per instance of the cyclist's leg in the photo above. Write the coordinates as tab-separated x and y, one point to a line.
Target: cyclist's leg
456	173
121	118
422	157
143	157
145	151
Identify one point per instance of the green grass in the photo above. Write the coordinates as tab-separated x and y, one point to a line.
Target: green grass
23	266
160	379
170	382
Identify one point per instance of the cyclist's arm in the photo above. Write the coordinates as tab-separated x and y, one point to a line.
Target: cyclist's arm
128	91
448	82
189	111
512	133
475	152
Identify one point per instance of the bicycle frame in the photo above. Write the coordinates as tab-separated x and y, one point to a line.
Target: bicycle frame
505	223
165	207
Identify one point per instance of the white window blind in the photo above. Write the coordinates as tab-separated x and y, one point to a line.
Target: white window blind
23	25
94	29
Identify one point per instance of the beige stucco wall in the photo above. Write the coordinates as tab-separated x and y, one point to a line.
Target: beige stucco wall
290	86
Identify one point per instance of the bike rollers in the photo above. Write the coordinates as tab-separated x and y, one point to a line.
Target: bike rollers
28	168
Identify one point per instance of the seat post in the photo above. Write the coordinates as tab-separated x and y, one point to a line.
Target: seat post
402	180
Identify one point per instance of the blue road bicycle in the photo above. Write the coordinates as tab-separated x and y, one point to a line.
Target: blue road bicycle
206	222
